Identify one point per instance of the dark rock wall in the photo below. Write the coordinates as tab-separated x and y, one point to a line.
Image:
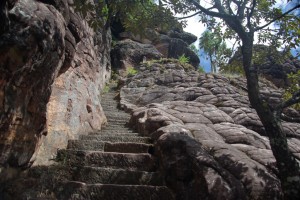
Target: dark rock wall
52	69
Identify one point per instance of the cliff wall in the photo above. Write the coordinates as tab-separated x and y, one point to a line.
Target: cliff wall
52	69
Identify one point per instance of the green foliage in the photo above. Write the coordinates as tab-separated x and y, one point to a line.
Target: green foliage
194	49
183	59
216	49
251	16
294	79
262	55
186	66
105	89
234	67
201	70
135	15
130	71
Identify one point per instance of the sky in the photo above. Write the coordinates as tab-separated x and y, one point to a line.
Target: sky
195	27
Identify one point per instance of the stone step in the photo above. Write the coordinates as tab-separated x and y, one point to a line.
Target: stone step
117	176
128	147
133	161
122	123
109	134
110	94
118	116
116	138
119	127
107	101
116	131
122	147
113	130
109	106
87	145
78	191
117	120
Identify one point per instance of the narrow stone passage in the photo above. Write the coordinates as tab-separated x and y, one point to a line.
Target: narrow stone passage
114	163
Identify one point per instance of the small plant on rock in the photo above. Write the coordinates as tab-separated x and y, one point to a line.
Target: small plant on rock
183	59
201	70
131	71
105	89
294	79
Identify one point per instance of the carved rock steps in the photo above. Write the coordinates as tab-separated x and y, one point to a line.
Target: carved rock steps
114	163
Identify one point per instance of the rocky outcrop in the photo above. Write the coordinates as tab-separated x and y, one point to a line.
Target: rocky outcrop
128	53
52	69
173	44
207	135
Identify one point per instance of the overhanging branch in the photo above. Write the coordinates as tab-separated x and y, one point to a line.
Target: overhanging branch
180	18
211	13
277	18
293	100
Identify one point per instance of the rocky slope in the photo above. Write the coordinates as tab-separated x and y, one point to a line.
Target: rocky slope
52	69
207	135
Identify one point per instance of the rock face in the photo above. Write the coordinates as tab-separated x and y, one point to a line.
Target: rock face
207	135
52	68
128	53
131	49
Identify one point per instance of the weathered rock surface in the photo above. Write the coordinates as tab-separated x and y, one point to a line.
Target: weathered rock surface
207	135
52	69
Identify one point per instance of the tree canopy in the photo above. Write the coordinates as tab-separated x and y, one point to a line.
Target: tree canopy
135	15
215	48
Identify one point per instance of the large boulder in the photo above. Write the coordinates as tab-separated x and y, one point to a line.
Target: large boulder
178	47
128	53
53	67
172	44
184	36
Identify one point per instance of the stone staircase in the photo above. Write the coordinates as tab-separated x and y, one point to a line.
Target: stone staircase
114	164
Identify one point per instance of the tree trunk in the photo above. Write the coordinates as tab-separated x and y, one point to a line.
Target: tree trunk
289	171
212	65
